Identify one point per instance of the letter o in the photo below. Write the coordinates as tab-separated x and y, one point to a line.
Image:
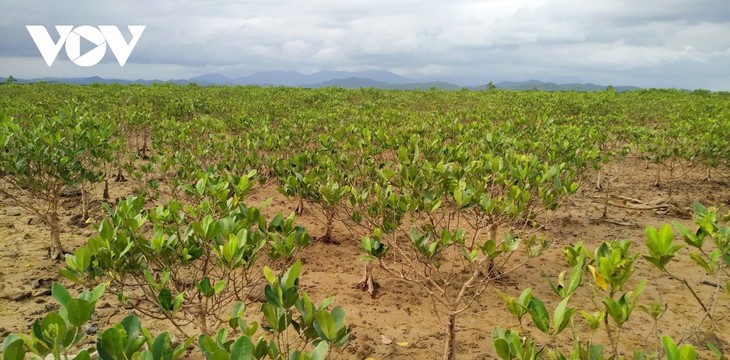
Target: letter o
73	46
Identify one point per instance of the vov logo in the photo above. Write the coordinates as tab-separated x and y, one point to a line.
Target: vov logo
71	36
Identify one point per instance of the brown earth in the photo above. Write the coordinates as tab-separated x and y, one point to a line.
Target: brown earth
402	312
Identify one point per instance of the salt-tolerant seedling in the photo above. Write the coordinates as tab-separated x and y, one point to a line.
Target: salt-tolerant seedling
46	154
59	331
294	328
197	259
714	262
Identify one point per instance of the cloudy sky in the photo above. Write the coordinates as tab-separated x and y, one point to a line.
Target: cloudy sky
650	43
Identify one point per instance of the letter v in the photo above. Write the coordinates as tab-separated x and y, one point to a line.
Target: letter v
116	41
49	50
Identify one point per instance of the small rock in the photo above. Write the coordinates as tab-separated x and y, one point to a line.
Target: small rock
21	296
43	282
91	328
12	211
42	292
257	292
105	313
104	305
70	192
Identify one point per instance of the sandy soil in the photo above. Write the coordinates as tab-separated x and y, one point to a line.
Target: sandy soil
401	312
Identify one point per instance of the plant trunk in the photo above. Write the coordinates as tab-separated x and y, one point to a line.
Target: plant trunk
143	150
300	207
327	238
106	190
56	248
84	205
491	267
368	282
120	176
449	351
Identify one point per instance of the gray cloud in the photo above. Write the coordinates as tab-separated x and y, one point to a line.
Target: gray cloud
668	43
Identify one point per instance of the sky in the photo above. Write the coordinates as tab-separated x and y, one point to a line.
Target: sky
649	43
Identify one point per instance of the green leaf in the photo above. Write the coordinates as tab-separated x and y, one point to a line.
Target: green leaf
699	260
715	350
325	325
220	354
110	344
502	348
97	293
165	299
269	274
13	348
561	315
242	349
670	348
207	345
54	325
576	276
161	346
180	349
79	312
219	286
320	351
539	315
60	294
82	355
291	275
688	352
133	327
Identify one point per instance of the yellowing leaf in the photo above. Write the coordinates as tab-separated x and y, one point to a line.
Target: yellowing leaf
371	358
403	343
600	281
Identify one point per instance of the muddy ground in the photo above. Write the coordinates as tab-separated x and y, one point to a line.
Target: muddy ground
401	312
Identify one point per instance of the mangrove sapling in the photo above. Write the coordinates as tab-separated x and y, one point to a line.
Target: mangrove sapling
187	263
614	265
294	326
320	184
430	261
41	158
611	267
441	201
60	331
714	262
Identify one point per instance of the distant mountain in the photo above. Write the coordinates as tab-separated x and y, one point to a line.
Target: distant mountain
293	78
286	78
357	82
212	79
551	86
345	79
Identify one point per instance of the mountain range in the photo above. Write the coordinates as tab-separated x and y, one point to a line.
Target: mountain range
345	79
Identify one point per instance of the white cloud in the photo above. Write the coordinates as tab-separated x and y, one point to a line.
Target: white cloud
679	43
